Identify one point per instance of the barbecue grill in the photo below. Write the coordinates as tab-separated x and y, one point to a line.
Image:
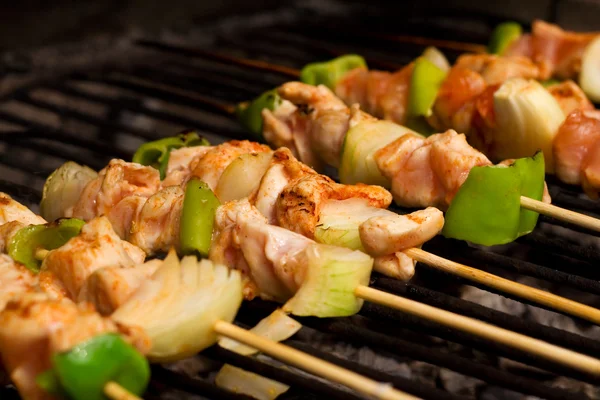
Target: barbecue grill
56	105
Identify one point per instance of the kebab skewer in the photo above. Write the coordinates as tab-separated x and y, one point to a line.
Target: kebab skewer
182	308
494	100
359	225
312	279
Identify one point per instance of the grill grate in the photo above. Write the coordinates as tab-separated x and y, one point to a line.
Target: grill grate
104	111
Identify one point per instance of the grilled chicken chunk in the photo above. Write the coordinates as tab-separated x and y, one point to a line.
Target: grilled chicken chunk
34	326
180	160
319	123
570	97
117	181
15	279
496	69
576	150
95	247
156	226
11	210
108	288
381	94
270	257
557	52
393	233
428	171
7	231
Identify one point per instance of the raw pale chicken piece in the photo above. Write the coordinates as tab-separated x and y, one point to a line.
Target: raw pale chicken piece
109	287
156	226
381	94
573	144
95	247
496	69
428	172
125	213
33	327
210	166
273	257
570	97
15	279
11	210
118	180
180	160
386	235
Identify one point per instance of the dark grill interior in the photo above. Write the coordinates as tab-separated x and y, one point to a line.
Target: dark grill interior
122	94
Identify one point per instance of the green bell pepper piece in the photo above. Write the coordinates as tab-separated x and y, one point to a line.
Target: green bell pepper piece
82	372
549	82
503	36
23	245
425	83
156	153
197	218
249	113
487	208
328	73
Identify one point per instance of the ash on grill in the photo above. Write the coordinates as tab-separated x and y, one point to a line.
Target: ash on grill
102	99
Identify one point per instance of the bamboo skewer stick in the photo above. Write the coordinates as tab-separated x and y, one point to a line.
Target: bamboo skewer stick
115	391
505	285
478	328
561	213
311	364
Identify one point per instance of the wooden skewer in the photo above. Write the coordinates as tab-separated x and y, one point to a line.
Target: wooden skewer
561	213
115	391
456	321
314	365
505	285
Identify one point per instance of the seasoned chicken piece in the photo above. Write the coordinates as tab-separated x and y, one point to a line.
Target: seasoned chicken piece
397	266
556	51
118	180
570	97
320	123
573	144
209	166
178	169
7	231
386	235
270	257
452	159
95	247
11	210
125	213
299	205
454	105
34	327
15	279
284	168
381	94
428	172
156	226
109	287
496	69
